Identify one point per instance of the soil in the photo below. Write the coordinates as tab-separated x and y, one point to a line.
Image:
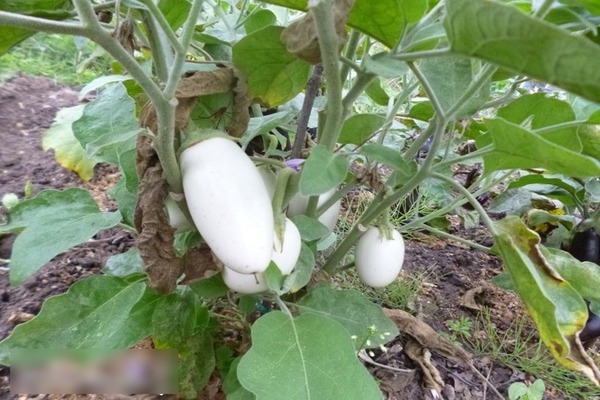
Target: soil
28	106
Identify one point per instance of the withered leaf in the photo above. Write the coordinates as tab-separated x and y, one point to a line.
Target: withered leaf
204	83
301	38
426	336
199	263
155	238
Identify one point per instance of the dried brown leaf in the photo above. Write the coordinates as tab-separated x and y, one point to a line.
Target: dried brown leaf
421	356
426	336
301	39
155	238
200	263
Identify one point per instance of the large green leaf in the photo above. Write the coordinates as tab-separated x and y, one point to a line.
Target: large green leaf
449	77
50	9
556	308
124	264
540	111
384	20
274	75
361	318
308	357
51	223
517	147
108	127
99	312
67	149
511	39
322	171
359	128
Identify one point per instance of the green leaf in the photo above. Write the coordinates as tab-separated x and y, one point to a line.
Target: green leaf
359	128
108	126
422	111
322	171
302	364
99	312
274	278
210	287
310	228
50	9
262	125
302	272
557	309
174	320
449	78
388	156
517	147
516	41
541	111
67	149
258	20
232	386
582	276
196	365
274	75
591	5
376	92
175	11
72	212
384	65
125	264
125	200
361	318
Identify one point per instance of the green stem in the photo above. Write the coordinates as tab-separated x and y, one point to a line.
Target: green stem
282	181
350	53
328	41
485	74
40	24
419	55
186	38
543	9
435	102
363	80
558	127
391	114
475	154
271	161
446	235
164	24
344	190
465	192
161	52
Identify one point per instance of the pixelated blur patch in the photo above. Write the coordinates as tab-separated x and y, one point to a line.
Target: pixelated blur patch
147	371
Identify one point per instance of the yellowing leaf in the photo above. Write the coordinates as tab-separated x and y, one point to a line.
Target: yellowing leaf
68	152
557	309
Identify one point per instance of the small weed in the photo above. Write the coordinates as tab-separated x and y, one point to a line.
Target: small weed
461	328
400	295
521	391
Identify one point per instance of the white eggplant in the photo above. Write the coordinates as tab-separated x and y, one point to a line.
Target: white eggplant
229	204
378	259
329	218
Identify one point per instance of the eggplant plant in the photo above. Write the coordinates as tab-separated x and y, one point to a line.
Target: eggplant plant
182	115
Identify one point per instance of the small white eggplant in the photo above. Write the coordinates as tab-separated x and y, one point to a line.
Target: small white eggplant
379	259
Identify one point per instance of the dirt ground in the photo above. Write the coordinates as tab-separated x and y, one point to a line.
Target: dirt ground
28	106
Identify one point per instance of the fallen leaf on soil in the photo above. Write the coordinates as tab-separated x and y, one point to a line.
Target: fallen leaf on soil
19	317
474	298
421	356
421	342
426	336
